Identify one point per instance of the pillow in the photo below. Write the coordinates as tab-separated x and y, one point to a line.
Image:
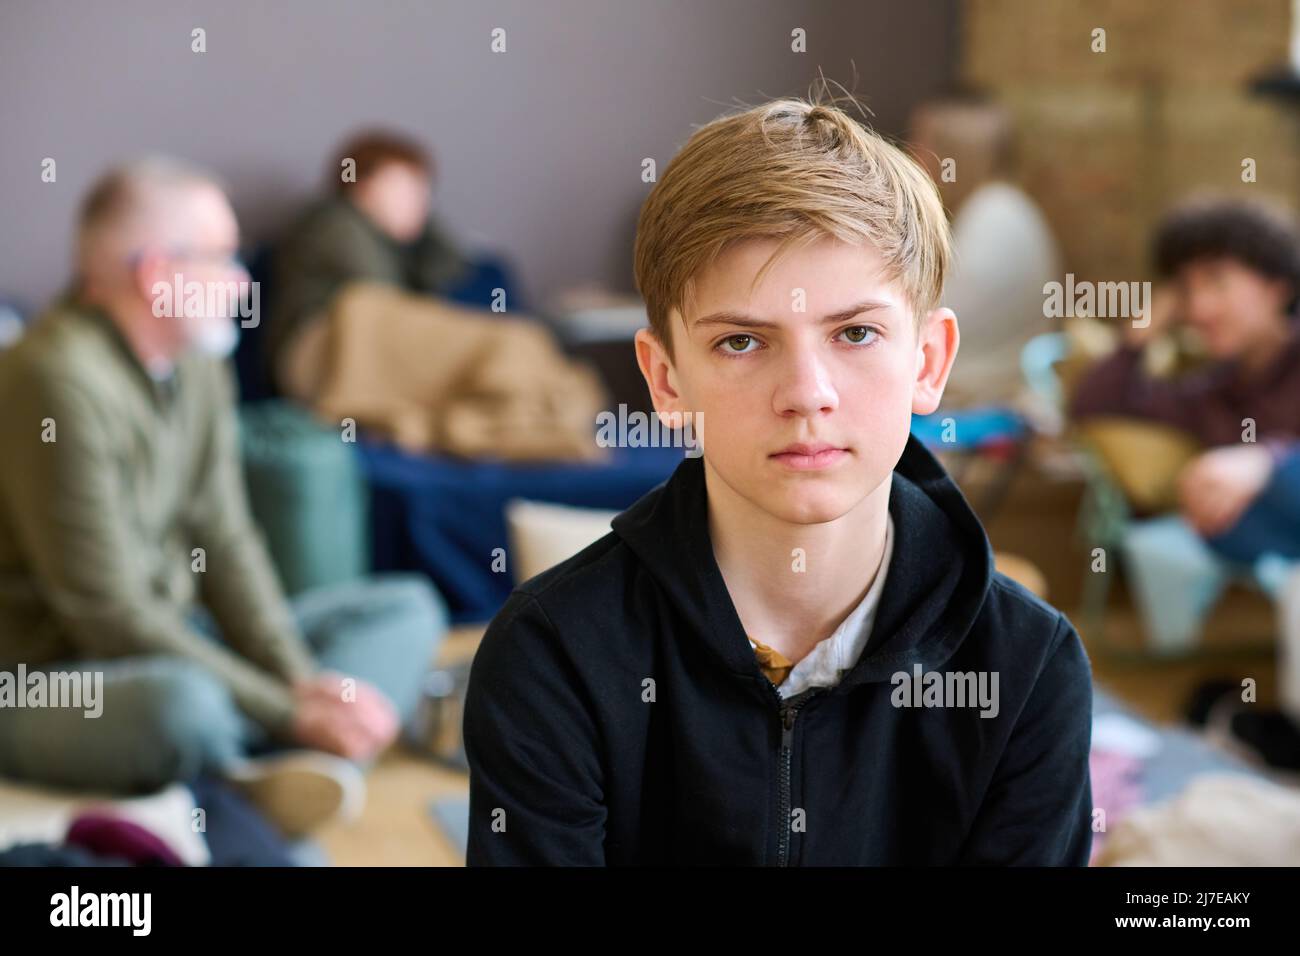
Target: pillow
543	534
35	813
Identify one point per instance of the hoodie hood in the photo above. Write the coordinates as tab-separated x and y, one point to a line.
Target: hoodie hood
939	573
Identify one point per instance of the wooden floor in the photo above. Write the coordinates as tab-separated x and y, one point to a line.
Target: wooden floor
397	827
1036	522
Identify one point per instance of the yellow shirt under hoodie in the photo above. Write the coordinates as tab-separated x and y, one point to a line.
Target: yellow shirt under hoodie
834	657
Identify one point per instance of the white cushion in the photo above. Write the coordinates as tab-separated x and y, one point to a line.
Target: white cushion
543	534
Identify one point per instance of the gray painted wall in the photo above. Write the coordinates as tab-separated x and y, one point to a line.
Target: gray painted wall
539	148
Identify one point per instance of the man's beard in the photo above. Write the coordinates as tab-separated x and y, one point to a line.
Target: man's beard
215	338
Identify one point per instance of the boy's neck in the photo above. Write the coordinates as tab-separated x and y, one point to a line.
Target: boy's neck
784	608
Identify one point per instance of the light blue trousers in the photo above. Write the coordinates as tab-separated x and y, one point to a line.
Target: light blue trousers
166	718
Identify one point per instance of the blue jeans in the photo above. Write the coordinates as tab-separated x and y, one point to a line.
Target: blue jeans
1271	525
166	718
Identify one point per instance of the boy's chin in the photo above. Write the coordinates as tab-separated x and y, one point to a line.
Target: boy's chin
805	497
806	504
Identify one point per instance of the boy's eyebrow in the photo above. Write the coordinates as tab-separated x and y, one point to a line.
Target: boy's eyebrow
736	318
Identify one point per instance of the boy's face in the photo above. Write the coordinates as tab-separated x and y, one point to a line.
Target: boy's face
1230	304
825	353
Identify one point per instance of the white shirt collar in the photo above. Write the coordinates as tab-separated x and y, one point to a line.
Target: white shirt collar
833	657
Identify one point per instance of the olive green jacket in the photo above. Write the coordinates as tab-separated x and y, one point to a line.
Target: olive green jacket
333	243
122	505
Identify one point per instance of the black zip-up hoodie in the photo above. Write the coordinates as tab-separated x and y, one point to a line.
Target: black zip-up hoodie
616	713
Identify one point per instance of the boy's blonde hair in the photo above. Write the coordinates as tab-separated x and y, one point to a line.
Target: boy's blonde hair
794	170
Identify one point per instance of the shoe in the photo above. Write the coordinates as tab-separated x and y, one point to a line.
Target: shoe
1205	697
301	790
1216	726
1271	734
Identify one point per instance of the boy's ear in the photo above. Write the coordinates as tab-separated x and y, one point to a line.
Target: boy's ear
936	348
657	369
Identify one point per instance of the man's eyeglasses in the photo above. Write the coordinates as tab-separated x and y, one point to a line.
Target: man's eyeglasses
230	260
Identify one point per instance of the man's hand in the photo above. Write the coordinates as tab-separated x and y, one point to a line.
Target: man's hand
1217	486
1158	317
344	716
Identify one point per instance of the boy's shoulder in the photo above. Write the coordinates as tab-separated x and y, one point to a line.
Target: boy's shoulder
580	589
1021	624
1008	596
589	570
570	617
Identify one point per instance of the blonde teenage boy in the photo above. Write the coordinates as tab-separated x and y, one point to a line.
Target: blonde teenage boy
795	651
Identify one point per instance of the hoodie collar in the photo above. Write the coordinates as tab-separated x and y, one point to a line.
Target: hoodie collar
938	574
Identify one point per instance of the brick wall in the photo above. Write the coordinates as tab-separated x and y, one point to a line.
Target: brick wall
1107	140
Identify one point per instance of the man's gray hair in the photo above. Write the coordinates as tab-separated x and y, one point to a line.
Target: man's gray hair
120	199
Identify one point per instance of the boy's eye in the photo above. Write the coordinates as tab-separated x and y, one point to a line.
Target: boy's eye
739	342
859	334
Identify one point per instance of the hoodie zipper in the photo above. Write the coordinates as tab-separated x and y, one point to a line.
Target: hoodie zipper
788	710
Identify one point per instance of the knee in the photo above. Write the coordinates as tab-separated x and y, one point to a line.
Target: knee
415	607
187	719
415	620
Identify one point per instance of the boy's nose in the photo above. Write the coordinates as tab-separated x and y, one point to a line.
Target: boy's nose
805	387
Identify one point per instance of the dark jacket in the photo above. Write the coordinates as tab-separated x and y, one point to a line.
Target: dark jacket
616	713
1211	403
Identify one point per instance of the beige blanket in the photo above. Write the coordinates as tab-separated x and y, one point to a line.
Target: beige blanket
433	375
1219	820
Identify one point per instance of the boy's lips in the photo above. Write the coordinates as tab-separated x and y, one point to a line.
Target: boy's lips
809	456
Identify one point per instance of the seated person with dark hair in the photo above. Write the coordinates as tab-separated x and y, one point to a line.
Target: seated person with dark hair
377	316
374	225
1234	279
